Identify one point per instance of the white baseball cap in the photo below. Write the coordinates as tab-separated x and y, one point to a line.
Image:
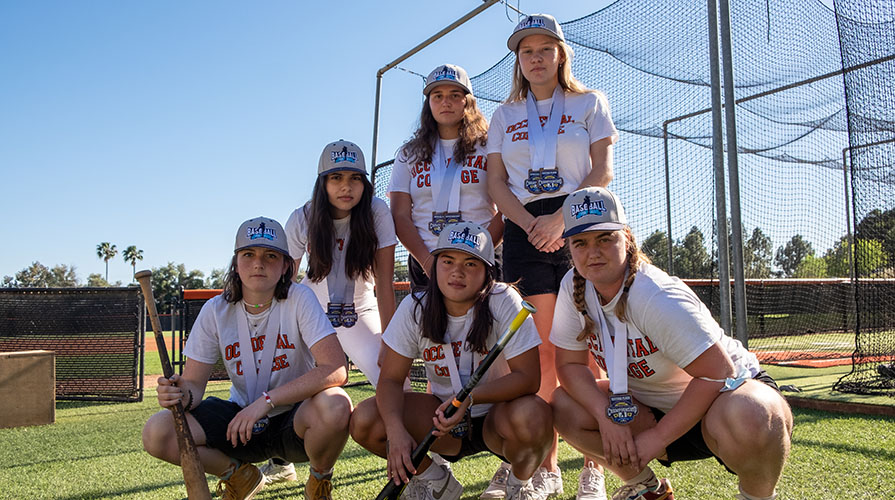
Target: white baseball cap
261	232
467	237
592	209
448	73
339	156
535	24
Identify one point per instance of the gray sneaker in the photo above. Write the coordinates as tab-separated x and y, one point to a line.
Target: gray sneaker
549	483
276	473
497	488
525	491
591	484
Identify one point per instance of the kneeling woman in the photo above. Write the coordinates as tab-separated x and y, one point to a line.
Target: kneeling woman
451	326
288	403
678	388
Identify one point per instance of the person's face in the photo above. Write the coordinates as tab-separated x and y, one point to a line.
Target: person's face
539	58
260	269
601	258
344	191
447	103
460	278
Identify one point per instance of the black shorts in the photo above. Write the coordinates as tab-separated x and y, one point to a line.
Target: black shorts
691	446
535	272
419	280
278	440
473	442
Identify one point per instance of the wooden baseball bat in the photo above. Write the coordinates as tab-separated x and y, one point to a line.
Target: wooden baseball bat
392	491
193	472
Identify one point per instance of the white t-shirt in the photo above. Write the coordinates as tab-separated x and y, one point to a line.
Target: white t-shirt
215	335
586	120
403	336
422	184
668	327
297	235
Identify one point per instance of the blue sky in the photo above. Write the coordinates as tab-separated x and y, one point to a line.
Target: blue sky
166	124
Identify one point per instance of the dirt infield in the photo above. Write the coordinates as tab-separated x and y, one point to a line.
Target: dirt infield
816	359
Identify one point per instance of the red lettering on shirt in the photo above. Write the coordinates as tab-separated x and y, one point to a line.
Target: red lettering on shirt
283	342
652	348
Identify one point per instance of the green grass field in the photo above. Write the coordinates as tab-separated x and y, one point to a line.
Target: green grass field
93	451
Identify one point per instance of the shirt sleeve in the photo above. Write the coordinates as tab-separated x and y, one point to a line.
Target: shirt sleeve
599	120
297	234
402	334
385	225
399	182
496	132
567	321
312	321
203	345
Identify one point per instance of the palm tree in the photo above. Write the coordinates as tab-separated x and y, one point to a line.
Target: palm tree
132	255
106	251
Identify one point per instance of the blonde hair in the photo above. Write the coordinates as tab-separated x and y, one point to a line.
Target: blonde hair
567	81
634	257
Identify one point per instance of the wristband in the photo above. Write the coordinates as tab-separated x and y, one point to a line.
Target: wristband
189	402
268	401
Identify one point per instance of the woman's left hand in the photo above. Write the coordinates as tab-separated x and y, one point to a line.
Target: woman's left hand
649	446
545	232
240	428
444	425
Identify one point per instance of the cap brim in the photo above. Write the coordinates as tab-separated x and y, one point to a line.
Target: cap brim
432	85
515	38
477	256
602	226
263	245
343	169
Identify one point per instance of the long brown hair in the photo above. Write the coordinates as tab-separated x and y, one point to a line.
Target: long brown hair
473	132
634	256
233	285
362	245
567	80
433	316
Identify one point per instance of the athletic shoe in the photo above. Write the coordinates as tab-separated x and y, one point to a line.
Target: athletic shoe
497	488
242	484
525	491
549	483
446	488
319	489
278	473
591	484
641	491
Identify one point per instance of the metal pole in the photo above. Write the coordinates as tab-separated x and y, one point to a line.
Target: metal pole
424	44
739	285
851	238
718	167
668	200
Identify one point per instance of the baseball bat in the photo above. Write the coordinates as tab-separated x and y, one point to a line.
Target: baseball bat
392	491
193	472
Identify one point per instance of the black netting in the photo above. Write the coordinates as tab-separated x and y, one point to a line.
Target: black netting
867	36
95	332
190	309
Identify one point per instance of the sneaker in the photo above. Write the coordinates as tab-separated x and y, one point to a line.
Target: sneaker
550	483
591	484
446	488
525	491
497	488
278	473
319	489
242	484
641	491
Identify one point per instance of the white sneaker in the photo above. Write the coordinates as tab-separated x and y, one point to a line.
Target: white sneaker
446	488
276	473
591	484
549	483
525	491
497	488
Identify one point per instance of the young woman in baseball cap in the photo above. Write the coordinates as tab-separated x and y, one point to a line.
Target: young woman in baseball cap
678	387
286	367
439	176
551	137
451	325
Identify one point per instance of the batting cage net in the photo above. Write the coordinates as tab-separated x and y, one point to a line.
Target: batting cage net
867	37
791	77
96	334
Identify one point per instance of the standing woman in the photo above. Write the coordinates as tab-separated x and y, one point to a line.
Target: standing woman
439	176
532	168
678	389
451	325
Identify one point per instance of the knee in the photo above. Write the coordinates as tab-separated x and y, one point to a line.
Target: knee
158	435
563	404
761	422
531	419
333	409
364	419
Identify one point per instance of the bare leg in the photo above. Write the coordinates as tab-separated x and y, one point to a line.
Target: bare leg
521	430
545	303
322	421
160	441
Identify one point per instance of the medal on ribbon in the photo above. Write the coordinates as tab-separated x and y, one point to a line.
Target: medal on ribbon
544	177
349	317
260	425
334	313
463	427
550	180
437	223
621	409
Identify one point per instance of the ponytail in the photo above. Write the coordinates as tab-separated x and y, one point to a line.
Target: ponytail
579	284
635	257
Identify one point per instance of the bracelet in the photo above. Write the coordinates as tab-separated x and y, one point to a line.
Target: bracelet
189	402
471	401
268	401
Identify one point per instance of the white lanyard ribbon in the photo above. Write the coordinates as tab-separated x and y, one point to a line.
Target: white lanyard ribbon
542	140
615	353
444	174
258	378
339	286
453	365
